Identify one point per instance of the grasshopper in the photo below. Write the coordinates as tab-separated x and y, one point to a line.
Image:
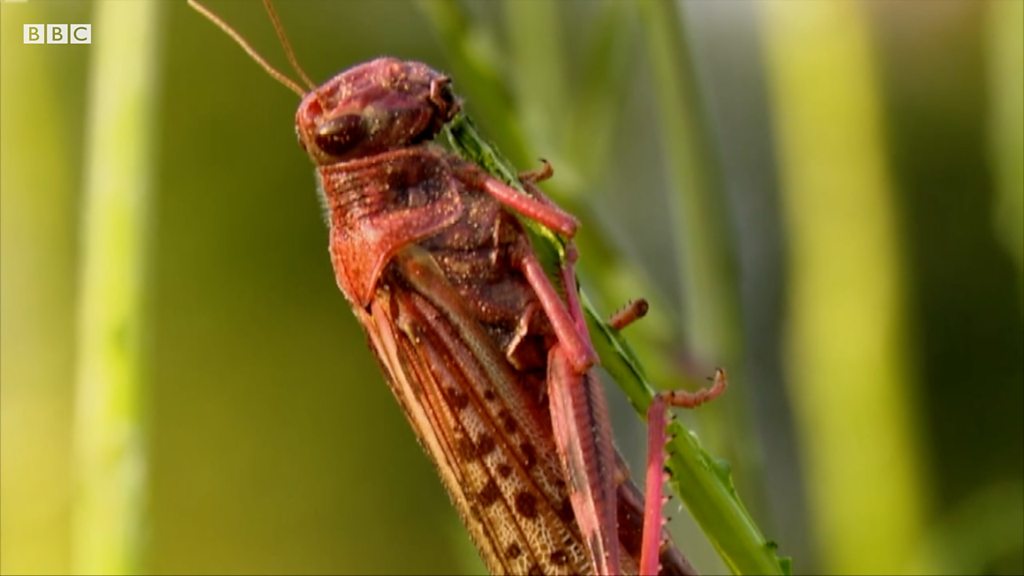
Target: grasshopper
489	359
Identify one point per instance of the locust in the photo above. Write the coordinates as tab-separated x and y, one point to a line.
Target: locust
486	353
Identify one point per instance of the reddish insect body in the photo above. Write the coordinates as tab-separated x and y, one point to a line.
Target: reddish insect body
467	327
490	363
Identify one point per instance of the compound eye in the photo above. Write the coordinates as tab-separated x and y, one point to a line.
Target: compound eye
340	135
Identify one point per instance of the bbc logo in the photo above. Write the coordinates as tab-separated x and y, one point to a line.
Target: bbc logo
58	34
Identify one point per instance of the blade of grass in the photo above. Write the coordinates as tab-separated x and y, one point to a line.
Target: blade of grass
709	287
1006	125
539	70
849	378
607	78
710	294
40	136
603	83
110	426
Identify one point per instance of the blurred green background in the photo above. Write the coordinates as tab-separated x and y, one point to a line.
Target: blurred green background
826	198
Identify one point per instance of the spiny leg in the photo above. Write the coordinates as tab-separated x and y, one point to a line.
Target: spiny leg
579	415
657	423
578	401
580	425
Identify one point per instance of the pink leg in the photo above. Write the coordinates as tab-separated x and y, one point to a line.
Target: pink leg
572	296
579	422
534	205
569	327
655	480
579	419
546	213
576	344
654	497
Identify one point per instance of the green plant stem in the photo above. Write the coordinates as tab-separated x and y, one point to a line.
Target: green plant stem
110	441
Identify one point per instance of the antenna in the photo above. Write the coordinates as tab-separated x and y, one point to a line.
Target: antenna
274	73
286	45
